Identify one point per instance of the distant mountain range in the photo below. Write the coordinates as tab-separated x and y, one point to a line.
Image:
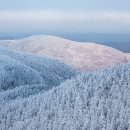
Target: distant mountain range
83	56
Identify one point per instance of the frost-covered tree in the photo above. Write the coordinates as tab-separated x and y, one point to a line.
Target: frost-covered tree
18	69
92	101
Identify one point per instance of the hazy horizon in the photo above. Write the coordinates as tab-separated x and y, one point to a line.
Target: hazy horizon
36	16
103	22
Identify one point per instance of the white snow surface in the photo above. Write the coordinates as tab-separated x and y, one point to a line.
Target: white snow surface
84	56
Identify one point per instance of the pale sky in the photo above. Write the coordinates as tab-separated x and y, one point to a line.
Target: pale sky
65	16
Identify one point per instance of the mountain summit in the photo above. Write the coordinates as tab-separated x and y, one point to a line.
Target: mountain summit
83	56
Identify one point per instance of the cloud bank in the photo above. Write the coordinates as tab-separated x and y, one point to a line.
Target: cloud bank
51	20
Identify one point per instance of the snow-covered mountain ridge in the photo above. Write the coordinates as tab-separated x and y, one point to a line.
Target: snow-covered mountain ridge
40	93
84	56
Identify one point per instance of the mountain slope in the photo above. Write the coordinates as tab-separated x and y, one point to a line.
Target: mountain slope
18	69
14	73
93	101
84	56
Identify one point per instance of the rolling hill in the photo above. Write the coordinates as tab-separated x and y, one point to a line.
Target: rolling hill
19	69
83	56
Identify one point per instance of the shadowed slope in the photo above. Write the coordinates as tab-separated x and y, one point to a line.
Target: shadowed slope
18	69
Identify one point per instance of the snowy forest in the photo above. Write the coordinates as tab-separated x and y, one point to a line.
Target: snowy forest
64	64
40	93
